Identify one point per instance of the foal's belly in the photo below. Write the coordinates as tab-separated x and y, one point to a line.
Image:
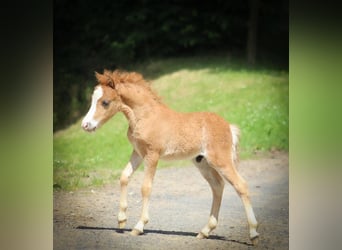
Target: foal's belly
179	153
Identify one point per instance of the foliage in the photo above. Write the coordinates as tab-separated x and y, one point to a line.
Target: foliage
90	36
254	99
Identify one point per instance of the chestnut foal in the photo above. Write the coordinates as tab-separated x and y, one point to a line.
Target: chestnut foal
157	132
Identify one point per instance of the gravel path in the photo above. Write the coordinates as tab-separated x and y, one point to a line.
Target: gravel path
180	206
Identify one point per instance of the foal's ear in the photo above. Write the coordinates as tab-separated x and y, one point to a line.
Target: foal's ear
104	80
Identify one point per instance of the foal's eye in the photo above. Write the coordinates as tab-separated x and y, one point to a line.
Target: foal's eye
105	103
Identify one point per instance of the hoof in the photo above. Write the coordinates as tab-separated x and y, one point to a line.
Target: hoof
201	236
136	232
122	224
255	240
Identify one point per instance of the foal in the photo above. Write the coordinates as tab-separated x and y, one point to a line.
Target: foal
157	132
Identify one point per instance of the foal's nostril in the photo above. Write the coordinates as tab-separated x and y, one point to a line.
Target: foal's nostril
85	125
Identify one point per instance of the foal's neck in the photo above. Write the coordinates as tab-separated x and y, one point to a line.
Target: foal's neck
138	103
129	114
139	113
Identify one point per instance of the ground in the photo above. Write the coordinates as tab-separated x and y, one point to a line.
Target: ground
179	208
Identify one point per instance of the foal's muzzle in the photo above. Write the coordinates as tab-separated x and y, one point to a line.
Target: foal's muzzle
87	126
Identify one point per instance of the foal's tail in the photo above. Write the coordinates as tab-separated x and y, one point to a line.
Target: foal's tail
235	142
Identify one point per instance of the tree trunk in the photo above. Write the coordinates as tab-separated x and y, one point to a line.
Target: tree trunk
252	31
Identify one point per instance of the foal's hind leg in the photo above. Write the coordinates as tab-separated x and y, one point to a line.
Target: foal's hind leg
131	166
217	184
230	173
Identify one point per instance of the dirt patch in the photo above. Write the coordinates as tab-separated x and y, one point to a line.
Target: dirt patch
180	206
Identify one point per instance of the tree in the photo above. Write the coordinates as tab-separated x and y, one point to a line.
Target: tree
252	31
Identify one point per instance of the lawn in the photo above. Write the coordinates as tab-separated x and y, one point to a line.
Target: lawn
256	99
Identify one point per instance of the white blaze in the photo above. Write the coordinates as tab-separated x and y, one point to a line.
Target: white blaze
89	118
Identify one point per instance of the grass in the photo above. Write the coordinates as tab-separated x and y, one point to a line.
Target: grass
254	99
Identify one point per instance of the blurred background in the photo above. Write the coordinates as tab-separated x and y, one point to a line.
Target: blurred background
90	36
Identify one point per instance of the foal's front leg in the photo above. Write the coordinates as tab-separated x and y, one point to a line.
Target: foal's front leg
131	166
151	161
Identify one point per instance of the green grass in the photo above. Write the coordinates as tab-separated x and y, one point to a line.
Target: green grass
254	99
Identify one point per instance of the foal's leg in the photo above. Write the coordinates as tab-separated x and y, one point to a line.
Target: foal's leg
230	173
217	184
131	166
151	162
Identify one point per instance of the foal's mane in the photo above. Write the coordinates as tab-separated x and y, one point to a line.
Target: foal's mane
124	77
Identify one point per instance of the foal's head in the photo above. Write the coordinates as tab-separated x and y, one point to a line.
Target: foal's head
105	102
114	90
